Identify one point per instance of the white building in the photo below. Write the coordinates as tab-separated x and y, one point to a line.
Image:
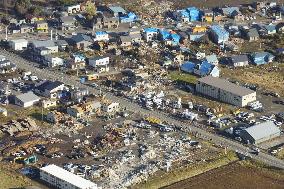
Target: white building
27	99
52	61
73	9
101	63
225	91
63	179
112	107
101	36
18	44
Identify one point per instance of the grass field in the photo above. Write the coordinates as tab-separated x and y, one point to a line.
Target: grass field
270	77
176	175
241	175
180	76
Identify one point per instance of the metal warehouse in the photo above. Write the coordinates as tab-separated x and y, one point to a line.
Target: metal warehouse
260	132
225	91
63	179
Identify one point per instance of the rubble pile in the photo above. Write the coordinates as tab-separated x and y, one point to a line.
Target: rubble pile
20	125
153	12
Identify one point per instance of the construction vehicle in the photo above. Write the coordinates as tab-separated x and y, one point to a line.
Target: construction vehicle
31	159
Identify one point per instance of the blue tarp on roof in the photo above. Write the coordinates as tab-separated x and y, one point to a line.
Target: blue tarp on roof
205	68
270	28
130	17
194	13
260	58
101	33
165	34
151	30
175	37
220	34
188	67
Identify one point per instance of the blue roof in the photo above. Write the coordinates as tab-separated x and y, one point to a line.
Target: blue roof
194	13
184	13
175	37
230	10
218	30
205	68
151	30
188	67
165	34
270	27
261	57
101	33
130	17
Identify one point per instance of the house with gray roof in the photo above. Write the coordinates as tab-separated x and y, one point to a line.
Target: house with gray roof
260	133
252	34
81	41
26	99
239	60
67	23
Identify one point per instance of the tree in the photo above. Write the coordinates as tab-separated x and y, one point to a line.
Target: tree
65	2
22	6
35	11
90	9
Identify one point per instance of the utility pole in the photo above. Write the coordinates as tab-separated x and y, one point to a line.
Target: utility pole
6	29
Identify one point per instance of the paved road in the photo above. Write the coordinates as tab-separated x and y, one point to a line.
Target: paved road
72	80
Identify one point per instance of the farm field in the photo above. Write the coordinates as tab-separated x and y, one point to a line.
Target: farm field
234	176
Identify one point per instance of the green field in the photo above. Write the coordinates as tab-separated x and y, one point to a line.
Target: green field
180	76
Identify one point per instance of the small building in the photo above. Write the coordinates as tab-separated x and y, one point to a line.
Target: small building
41	26
103	22
54	116
100	63
110	107
72	9
218	34
48	103
63	179
67	23
75	111
239	60
27	99
52	61
49	89
77	61
150	34
6	66
260	58
18	44
78	94
3	111
136	38
212	59
116	11
101	36
270	29
225	91
260	133
81	41
24	28
125	41
48	44
252	34
201	69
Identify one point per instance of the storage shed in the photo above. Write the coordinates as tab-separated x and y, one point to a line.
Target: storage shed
260	132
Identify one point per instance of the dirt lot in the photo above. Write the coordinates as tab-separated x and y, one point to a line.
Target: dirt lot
234	176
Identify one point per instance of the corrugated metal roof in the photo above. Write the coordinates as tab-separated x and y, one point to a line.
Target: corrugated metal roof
69	177
262	130
27	97
117	9
226	85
